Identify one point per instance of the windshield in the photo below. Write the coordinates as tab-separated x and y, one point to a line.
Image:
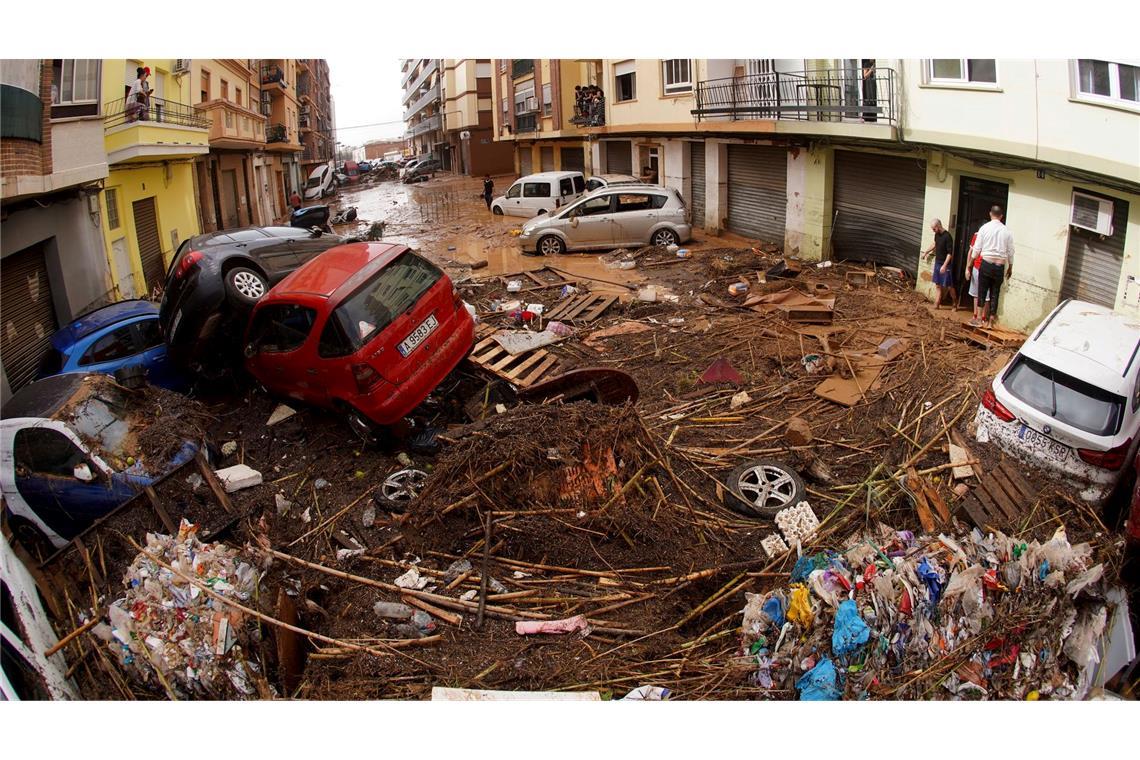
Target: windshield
100	418
313	182
389	293
1064	398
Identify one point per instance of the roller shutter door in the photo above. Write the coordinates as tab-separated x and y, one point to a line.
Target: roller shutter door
619	157
879	203
526	161
27	314
573	160
1092	265
150	249
546	155
697	175
758	191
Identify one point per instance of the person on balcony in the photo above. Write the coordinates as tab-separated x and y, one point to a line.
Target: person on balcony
138	97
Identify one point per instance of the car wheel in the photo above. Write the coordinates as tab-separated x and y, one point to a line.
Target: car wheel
400	488
245	286
497	210
551	244
664	237
762	488
366	430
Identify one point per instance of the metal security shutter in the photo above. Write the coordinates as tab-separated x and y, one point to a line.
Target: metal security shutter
697	175
879	202
150	249
27	314
1092	265
758	191
526	161
546	155
619	157
573	160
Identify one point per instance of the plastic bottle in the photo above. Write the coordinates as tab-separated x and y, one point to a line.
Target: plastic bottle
393	610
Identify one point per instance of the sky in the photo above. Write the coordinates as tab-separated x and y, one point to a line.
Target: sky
366	91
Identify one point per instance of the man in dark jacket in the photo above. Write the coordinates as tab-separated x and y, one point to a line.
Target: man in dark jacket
488	190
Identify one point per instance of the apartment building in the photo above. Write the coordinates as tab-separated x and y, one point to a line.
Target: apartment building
280	104
377	149
52	262
467	117
420	79
317	133
851	158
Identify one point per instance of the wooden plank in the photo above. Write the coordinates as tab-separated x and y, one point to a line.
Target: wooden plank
936	501
995	513
920	505
566	305
992	486
1015	498
541	369
599	308
528	362
212	481
503	363
976	512
156	505
1014	477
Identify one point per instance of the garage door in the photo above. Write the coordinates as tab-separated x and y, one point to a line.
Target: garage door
573	160
150	249
758	191
1092	264
526	161
619	157
697	175
878	206
547	157
27	314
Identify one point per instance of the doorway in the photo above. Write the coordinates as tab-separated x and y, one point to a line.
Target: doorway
150	246
230	199
650	156
975	197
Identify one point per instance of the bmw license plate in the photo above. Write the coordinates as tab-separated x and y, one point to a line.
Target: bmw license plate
1037	440
426	328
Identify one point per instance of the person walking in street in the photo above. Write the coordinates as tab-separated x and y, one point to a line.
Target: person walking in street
488	190
295	201
994	245
943	250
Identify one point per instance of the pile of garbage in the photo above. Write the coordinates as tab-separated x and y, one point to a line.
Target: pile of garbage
895	616
173	634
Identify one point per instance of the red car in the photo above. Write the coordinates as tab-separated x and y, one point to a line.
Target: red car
367	329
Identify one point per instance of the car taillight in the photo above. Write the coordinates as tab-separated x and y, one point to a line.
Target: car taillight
188	262
456	299
989	401
1113	459
366	378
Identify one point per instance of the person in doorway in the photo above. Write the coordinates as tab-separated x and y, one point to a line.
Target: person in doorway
488	190
295	201
972	265
649	175
994	245
943	250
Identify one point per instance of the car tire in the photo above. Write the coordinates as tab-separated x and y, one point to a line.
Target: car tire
497	210
664	237
359	423
245	286
548	244
763	487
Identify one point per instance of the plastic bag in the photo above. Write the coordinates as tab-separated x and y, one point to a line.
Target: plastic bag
928	572
799	609
850	630
774	609
818	684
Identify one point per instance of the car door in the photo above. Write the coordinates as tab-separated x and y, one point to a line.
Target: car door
273	252
304	244
634	216
110	350
536	197
512	203
278	354
152	350
590	223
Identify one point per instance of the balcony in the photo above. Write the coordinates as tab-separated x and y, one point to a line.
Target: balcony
279	140
272	75
232	126
428	69
427	125
526	122
827	95
164	129
432	95
521	67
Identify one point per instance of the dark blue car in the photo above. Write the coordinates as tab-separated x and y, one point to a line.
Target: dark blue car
124	334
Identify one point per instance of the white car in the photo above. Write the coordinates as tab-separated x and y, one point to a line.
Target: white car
1069	400
321	183
540	193
608	180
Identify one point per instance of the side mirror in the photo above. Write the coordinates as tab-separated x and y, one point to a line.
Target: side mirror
315	231
574	221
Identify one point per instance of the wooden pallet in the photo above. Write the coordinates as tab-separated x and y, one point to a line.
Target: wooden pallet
585	308
1002	498
522	370
542	278
993	337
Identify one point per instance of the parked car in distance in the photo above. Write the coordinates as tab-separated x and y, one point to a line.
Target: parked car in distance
422	171
366	329
70	452
540	193
321	183
216	278
364	166
124	334
624	215
1069	400
608	180
412	164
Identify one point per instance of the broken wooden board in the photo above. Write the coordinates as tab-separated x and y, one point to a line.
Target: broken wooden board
522	370
849	391
1001	500
602	385
958	458
992	337
580	308
809	313
921	504
541	278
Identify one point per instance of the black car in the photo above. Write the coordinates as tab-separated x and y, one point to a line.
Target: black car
216	278
421	172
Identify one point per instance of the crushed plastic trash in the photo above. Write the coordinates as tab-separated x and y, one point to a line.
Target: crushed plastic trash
566	625
282	504
195	480
851	632
818	684
412	579
320	484
647	694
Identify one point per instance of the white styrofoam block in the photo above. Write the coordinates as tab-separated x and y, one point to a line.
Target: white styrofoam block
797	523
773	546
238	477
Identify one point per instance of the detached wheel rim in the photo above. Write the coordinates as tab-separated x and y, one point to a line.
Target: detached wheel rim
550	245
766	486
403	486
360	426
664	237
249	285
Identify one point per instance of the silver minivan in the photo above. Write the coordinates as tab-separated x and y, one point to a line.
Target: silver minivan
624	215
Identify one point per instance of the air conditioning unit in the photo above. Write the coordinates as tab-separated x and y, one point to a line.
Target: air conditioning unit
1091	213
181	65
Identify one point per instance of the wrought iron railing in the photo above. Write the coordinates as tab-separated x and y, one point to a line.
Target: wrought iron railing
276	133
526	122
158	110
273	74
521	67
590	112
816	95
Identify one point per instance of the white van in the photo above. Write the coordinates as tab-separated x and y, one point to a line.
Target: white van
321	183
540	193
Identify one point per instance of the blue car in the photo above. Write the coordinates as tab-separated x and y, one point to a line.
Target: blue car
124	334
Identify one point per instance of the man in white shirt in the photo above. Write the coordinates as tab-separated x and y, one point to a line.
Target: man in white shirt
994	244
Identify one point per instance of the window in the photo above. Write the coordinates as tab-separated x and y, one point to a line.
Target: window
676	74
225	90
282	328
547	103
1106	80
44	451
204	95
515	191
634	203
75	88
148	334
1065	398
565	187
625	81
237	95
524	100
111	196
962	71
118	344
536	190
579	184
593	207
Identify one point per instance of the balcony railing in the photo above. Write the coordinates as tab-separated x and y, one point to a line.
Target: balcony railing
427	125
816	95
426	71
521	67
431	95
526	122
273	74
158	110
276	133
